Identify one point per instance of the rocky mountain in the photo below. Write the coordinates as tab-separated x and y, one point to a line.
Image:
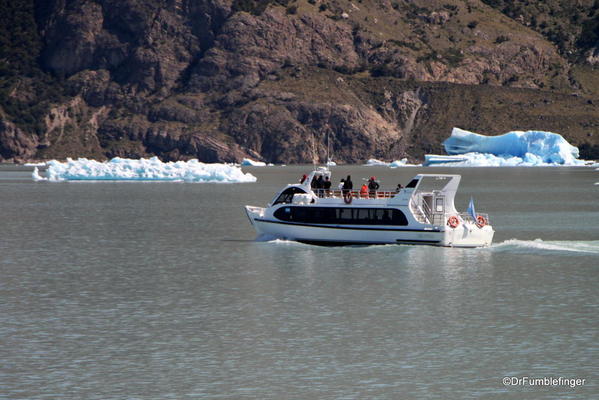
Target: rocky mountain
220	80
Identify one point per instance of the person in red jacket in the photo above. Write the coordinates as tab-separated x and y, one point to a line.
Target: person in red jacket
364	191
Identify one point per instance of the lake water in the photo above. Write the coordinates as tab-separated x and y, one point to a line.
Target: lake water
159	291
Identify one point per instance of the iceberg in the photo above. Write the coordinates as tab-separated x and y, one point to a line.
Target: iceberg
483	160
402	163
516	148
432	159
122	169
252	163
373	162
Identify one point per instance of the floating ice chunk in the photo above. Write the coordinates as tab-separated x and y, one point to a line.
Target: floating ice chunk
374	162
249	162
37	164
534	147
397	163
432	159
122	169
36	175
400	163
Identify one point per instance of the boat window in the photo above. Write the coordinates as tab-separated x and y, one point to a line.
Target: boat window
412	183
342	216
439	204
363	213
286	196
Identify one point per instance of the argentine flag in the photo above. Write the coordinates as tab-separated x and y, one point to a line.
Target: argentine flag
471	210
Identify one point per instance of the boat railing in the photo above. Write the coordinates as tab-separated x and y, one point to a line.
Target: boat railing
466	217
439	218
337	193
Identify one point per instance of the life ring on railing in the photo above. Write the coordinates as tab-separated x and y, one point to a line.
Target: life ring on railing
481	221
347	197
453	222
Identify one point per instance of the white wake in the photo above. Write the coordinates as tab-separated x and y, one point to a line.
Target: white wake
539	245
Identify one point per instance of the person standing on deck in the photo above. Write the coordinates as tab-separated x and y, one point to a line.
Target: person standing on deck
340	186
347	185
364	191
373	186
326	185
319	185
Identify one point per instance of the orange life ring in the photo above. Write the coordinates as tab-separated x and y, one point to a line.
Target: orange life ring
481	221
453	222
347	197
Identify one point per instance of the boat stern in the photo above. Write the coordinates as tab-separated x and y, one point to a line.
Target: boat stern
468	235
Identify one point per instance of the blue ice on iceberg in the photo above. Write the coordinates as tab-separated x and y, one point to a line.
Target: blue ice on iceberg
122	169
533	147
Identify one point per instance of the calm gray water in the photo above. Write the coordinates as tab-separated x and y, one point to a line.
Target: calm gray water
159	291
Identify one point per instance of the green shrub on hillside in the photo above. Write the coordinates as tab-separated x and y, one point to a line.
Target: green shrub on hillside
573	26
20	47
256	7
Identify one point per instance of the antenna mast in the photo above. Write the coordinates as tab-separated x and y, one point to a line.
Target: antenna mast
313	150
328	158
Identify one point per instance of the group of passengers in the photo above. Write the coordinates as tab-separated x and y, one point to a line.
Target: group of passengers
322	186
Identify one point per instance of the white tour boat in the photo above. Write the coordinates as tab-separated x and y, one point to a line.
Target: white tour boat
421	213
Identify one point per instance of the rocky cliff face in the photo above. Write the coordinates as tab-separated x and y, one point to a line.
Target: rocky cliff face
220	80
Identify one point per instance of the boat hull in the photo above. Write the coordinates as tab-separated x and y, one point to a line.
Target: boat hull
462	236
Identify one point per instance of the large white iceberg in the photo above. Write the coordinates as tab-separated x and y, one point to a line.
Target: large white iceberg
514	148
122	169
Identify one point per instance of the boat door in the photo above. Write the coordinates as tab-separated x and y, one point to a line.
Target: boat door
439	205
